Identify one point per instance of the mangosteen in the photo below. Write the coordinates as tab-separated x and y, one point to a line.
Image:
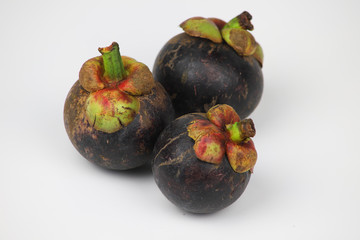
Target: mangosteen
203	162
212	62
114	113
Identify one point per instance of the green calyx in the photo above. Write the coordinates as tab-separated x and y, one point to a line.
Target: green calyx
114	84
235	33
114	70
241	131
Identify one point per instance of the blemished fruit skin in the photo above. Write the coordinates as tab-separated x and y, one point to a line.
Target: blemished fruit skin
128	148
193	185
198	74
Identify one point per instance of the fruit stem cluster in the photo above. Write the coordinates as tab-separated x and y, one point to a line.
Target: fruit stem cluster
114	70
240	131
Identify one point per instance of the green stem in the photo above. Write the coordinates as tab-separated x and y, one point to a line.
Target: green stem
242	130
241	21
114	69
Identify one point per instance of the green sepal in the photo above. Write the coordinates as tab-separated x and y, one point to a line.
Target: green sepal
240	40
259	54
236	34
109	110
241	156
203	28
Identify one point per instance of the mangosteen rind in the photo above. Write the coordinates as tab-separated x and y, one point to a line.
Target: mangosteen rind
199	70
198	74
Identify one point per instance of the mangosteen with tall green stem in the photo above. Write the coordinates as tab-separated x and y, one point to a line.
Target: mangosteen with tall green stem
115	111
203	162
212	62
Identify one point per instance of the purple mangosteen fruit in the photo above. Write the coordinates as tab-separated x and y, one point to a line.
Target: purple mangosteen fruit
203	162
212	62
114	113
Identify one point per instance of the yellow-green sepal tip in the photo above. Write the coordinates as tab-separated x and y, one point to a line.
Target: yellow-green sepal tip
202	27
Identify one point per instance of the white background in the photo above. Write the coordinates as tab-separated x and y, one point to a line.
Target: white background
306	184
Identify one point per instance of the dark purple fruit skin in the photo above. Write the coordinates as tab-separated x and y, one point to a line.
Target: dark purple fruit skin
191	184
127	148
199	74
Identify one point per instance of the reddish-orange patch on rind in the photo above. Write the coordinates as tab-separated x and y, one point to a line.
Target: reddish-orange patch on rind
222	114
242	156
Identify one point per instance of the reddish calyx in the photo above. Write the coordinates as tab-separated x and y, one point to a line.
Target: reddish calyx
114	82
224	133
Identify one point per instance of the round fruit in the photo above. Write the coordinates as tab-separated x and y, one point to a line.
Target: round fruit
213	62
115	111
203	162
